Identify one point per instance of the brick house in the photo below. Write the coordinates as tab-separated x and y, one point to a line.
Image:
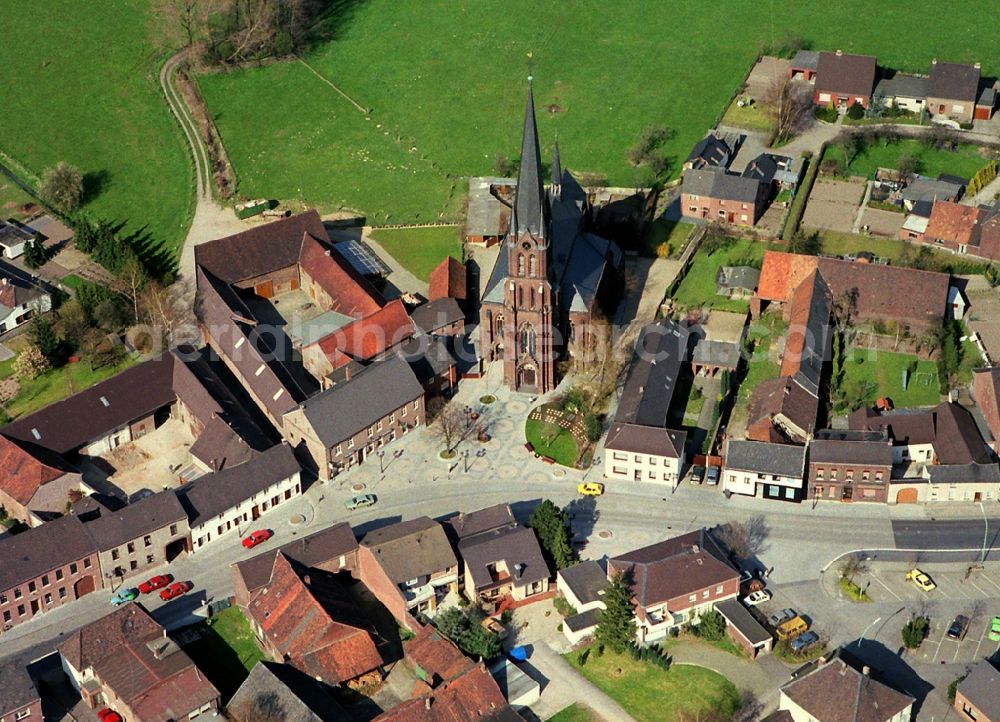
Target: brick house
976	697
714	195
35	484
849	466
675	581
843	79
448	280
775	471
46	567
986	393
385	401
955	227
19	698
126	661
952	90
412	563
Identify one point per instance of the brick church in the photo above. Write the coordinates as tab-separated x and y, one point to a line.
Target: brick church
552	280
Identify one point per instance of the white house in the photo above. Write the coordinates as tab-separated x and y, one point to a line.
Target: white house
20	301
644	453
775	470
13	237
234	501
582	585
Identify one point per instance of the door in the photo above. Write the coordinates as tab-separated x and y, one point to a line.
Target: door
528	376
83	585
34	606
906	496
265	289
255	512
977	497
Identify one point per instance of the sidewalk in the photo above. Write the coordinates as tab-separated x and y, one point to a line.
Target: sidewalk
565	686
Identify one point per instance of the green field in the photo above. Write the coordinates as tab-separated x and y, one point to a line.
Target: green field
651	694
449	79
420	250
81	86
965	161
12	199
886	370
227	651
575	713
697	290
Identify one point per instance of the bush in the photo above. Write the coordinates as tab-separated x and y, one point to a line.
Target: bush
582	659
915	631
831	166
953	688
827	114
856	111
62	187
712	626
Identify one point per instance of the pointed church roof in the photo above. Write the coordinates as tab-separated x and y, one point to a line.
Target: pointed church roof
556	167
529	203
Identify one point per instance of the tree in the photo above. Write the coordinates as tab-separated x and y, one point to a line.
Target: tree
950	352
856	111
646	150
852	565
915	631
711	626
876	108
62	187
133	277
74	323
809	244
465	629
449	425
44	337
30	364
551	525
35	254
850	145
180	22
616	622
788	103
908	164
744	539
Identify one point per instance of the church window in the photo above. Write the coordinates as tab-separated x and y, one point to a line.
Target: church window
533	266
520	264
532	296
572	331
520	297
528	339
498	324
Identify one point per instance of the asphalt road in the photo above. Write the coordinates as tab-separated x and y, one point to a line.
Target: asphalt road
947	534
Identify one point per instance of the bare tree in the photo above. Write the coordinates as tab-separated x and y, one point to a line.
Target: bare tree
180	22
852	565
133	278
745	539
162	307
789	105
449	425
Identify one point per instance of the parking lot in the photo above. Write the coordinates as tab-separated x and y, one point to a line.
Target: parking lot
887	582
938	648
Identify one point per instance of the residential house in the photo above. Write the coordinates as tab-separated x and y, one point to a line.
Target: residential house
834	691
775	171
709	152
386	401
13	237
137	537
473	695
488	217
954	226
736	281
307	618
952	90
441	317
231	501
775	471
411	563
929	190
675	581
905	92
46	567
582	585
271	688
986	393
20	300
781	411
803	65
976	695
500	558
849	465
19	698
843	79
989	234
714	195
639	447
35	484
126	661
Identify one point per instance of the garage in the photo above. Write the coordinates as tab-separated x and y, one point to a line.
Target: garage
83	585
906	496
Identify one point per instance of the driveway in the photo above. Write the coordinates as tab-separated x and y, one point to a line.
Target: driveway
565	686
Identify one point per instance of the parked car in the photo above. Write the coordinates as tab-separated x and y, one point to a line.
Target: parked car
783	616
108	715
175	590
124	596
791	628
256	537
360	501
758	597
591	488
713	475
495	626
958	627
995	630
921	580
803	642
697	474
154	583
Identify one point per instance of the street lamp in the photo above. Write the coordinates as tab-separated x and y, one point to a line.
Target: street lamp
862	638
465	460
986	530
468	417
381	464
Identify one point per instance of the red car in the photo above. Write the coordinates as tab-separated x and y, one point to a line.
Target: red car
175	590
154	583
109	715
256	537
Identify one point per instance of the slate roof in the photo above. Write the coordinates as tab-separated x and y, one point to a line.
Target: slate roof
721	354
472	696
587	580
529	201
448	280
437	314
931	190
902	85
717	183
766	458
304	631
210	495
112	529
13	233
762	169
902	427
25	467
583	620
806	59
954	222
709	151
156	678
953	81
15	291
651	440
957	439
980	688
428	357
512	545
18	689
475	522
845	74
674	567
971	473
836	692
743	277
487	215
43	548
660	352
298	697
371	394
411	549
740	617
835	451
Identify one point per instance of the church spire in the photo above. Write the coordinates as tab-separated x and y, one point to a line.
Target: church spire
556	169
529	203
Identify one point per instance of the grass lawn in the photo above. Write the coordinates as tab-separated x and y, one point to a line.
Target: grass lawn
674	233
575	713
852	590
12	199
83	88
885	369
445	84
227	651
964	162
651	694
420	250
698	287
751	117
561	447
893	250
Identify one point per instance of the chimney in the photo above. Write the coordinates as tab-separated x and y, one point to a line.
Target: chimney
866	671
695	548
839	52
518	570
427	703
326	252
6	280
306	579
977	66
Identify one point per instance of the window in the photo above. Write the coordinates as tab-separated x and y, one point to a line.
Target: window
833	474
850	475
149	559
72	568
371	432
6	616
131	547
652	474
20	610
532	266
336	450
31	586
59	574
173	529
350	443
819	473
705	594
115	554
403	412
219	529
147	541
692	597
878	476
62	592
378	426
718	589
865	475
620	456
652	461
3	598
48	599
970	712
416	405
789	492
86	563
693	209
45	580
133	565
520	264
22	714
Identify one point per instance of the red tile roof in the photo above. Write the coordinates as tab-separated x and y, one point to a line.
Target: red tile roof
21	473
953	222
436	656
781	273
352	294
370	336
448	280
302	630
473	696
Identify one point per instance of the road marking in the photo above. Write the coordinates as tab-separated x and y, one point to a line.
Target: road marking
942	578
984	575
885	586
985	593
939	644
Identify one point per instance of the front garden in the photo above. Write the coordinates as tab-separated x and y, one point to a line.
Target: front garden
563	431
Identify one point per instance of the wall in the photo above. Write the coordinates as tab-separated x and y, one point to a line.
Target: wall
282	280
831	486
67	583
387	592
961	701
623	465
29	712
958	110
733	212
239	519
143	556
114	438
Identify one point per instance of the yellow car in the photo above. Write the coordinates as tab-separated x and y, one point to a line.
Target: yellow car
922	581
591	488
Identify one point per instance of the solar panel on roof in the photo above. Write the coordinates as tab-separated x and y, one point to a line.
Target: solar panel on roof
362	258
